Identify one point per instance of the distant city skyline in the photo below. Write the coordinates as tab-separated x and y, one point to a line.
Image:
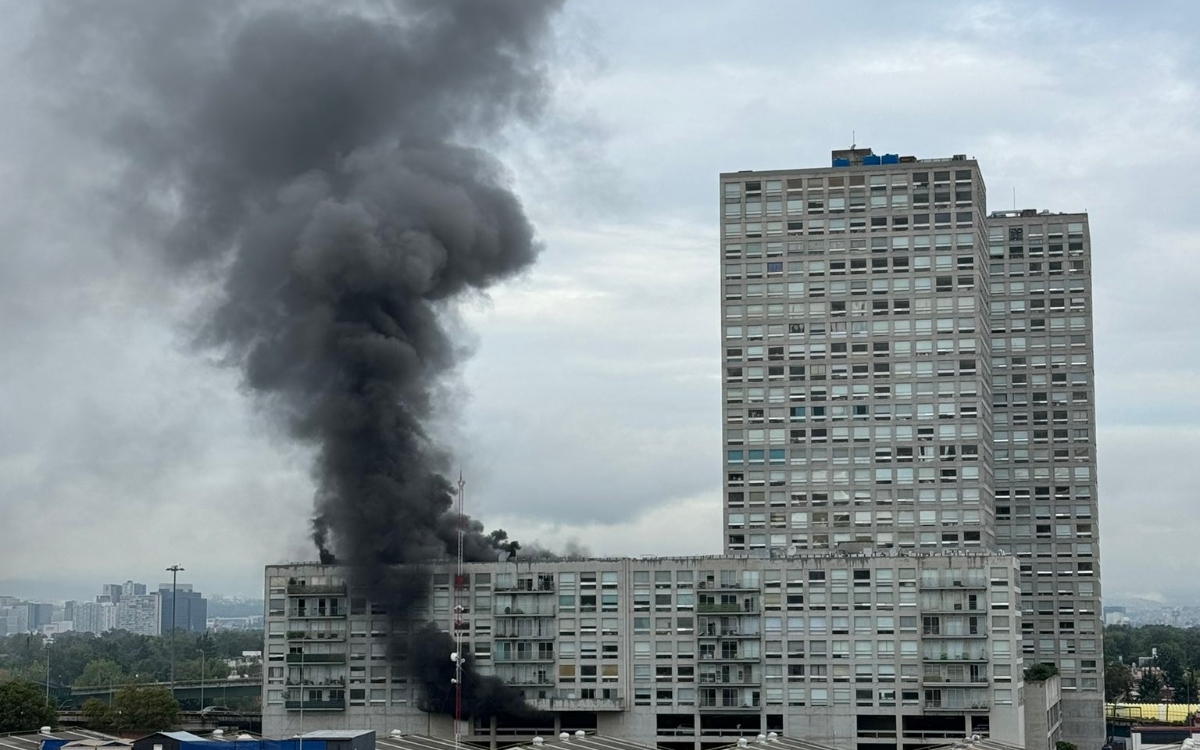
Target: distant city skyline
593	362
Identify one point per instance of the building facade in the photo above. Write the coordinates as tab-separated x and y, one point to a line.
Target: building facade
139	613
909	503
1044	446
882	651
904	370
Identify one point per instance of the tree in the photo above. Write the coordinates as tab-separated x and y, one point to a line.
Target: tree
23	708
1171	663
1118	681
101	673
1064	745
1150	686
1040	672
97	714
190	670
144	709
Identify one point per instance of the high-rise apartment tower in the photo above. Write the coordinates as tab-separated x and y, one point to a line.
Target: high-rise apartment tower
903	370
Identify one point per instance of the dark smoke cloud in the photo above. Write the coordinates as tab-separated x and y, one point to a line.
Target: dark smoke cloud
324	168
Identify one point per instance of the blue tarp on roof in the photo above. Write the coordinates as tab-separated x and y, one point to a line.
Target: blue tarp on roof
255	744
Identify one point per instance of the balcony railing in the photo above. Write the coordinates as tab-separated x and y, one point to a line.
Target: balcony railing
941	679
304	635
732	706
979	633
954	581
500	658
951	656
706	679
717	607
317	614
517	588
315	705
967	706
577	704
307	589
316	658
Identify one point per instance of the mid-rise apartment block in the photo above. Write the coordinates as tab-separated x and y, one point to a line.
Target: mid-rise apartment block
904	370
879	650
909	486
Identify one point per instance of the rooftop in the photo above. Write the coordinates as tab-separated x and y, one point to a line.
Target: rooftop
33	740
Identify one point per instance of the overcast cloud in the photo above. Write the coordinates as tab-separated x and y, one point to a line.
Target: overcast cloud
590	409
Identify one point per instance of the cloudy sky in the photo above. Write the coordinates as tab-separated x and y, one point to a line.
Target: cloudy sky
589	410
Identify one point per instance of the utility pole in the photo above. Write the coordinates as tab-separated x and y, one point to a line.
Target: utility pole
174	570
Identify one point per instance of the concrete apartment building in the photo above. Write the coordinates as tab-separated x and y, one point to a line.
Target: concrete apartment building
1044	445
882	651
909	515
905	371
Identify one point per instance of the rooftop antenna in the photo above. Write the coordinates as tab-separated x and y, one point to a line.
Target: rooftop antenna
853	140
1014	197
457	656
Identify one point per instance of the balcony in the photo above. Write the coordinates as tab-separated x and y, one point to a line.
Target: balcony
979	633
732	706
729	633
522	588
339	705
719	608
545	608
973	582
954	608
522	658
942	706
713	586
305	589
577	704
304	635
317	614
728	657
941	679
976	656
526	681
731	680
316	659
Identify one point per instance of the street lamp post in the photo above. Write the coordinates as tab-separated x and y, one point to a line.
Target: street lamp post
48	642
174	570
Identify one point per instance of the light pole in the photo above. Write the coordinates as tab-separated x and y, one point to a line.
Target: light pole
174	570
48	642
202	660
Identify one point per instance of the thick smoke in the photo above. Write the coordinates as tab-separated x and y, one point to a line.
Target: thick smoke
323	168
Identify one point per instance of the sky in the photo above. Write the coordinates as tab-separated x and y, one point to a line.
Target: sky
588	412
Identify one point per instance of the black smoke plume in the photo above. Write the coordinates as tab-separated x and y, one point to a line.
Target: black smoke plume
324	167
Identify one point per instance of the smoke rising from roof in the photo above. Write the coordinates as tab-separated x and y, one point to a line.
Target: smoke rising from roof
322	167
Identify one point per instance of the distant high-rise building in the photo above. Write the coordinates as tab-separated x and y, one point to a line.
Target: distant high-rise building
190	610
139	614
903	370
95	617
129	588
